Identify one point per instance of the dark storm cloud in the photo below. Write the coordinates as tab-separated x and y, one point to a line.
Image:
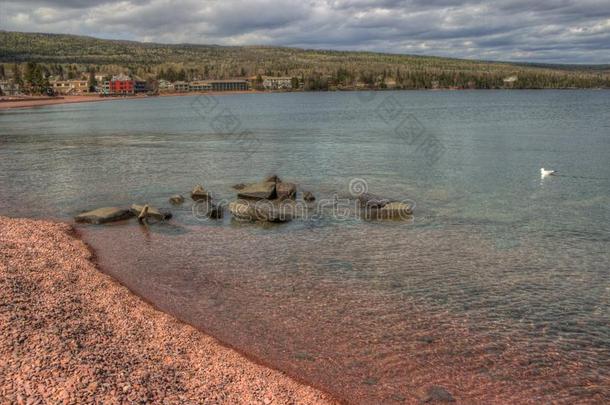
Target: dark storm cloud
569	31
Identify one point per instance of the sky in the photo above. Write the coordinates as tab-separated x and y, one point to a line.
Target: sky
549	31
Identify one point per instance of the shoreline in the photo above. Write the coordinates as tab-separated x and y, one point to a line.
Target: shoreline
74	333
32	102
47	101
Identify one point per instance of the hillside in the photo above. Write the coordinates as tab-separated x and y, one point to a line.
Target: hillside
334	68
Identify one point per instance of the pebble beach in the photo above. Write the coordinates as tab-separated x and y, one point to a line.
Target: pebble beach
71	334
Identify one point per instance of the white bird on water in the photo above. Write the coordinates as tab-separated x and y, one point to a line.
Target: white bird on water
544	173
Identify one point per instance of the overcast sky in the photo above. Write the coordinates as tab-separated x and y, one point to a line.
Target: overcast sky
562	31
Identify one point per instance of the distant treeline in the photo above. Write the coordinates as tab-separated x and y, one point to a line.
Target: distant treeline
68	56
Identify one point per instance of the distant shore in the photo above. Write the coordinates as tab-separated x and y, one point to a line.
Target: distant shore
7	103
73	334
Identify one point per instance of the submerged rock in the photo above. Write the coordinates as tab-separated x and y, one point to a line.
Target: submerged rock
258	191
308	196
199	193
395	209
151	212
269	211
285	191
369	200
215	211
239	186
209	209
392	210
104	215
176	199
376	207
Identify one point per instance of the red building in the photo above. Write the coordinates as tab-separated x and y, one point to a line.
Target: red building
121	84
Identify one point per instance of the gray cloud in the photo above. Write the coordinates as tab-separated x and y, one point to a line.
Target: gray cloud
564	31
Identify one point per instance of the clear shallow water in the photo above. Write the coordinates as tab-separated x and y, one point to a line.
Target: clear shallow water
499	289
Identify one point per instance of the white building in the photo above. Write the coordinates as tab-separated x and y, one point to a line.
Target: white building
70	86
165	85
9	88
274	83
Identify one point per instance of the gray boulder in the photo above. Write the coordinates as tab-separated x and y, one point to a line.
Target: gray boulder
176	199
199	193
308	196
104	215
285	191
215	211
258	191
392	210
210	210
369	200
152	212
376	207
395	210
269	211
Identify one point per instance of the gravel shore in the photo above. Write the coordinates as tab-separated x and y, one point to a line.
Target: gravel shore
28	102
71	334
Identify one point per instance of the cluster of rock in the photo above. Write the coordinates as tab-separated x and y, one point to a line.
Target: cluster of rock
268	200
271	200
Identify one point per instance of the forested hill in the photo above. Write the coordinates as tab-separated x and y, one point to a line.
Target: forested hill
317	67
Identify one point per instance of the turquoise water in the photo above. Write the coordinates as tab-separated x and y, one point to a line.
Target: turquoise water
498	288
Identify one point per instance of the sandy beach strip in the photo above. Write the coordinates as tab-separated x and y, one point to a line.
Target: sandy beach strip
7	104
30	102
71	334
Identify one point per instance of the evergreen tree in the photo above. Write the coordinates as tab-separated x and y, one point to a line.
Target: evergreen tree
259	82
92	81
295	82
17	75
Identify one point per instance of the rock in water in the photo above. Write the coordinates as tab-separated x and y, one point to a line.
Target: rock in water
104	215
239	186
242	209
369	200
176	199
152	212
376	207
199	193
258	191
395	210
214	211
270	211
438	394
308	196
143	214
285	191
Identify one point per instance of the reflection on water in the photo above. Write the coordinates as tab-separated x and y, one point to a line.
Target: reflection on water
377	313
498	290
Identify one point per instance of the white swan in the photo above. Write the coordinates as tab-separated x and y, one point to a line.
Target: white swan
544	173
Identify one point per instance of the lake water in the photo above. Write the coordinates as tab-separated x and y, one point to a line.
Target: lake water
498	289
